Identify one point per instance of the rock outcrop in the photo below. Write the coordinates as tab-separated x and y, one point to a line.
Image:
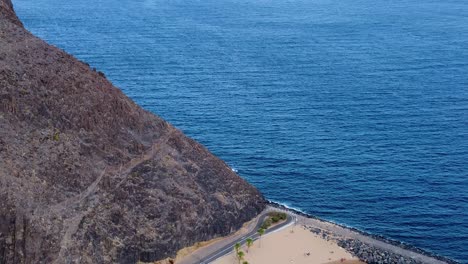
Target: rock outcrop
87	176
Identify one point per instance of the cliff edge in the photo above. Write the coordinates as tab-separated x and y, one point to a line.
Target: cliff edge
88	176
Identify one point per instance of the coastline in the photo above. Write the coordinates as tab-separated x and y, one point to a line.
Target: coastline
321	235
354	247
122	222
292	244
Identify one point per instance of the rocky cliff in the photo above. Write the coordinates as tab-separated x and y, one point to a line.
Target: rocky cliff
87	176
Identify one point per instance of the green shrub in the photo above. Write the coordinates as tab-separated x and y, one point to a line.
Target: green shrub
278	215
267	223
56	136
283	216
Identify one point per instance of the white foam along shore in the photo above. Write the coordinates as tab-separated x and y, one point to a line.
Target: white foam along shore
327	242
365	246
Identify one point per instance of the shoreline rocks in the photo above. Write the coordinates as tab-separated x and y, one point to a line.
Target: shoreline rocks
365	252
370	254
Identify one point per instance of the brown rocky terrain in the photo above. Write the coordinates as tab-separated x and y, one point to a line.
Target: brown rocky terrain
87	176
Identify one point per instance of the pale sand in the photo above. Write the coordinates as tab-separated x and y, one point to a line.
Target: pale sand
283	247
192	254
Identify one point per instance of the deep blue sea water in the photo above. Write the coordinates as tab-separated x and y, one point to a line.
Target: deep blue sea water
354	111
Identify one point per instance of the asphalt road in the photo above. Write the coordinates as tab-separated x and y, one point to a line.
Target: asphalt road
253	234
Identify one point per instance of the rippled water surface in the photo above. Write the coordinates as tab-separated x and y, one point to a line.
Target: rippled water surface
354	111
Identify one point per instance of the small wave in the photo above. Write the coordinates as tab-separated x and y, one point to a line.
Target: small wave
289	206
234	170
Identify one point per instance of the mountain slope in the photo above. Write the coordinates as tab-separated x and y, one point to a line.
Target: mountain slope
87	176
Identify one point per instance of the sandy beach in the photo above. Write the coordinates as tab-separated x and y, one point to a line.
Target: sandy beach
293	244
327	243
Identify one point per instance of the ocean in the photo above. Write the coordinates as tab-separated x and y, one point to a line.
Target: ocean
352	111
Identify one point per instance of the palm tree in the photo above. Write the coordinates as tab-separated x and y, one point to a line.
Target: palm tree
240	256
249	243
260	232
237	247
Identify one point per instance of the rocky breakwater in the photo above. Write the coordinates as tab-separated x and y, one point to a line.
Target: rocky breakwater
372	254
87	176
365	252
372	249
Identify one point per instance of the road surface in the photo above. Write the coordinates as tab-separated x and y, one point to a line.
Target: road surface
252	234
